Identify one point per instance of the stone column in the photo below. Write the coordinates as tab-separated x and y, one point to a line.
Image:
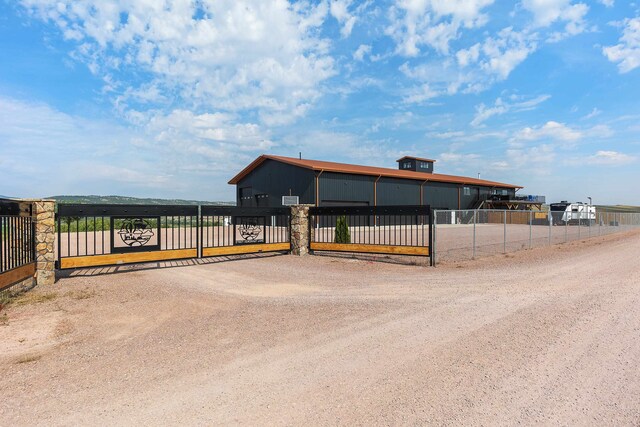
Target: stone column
300	238
43	212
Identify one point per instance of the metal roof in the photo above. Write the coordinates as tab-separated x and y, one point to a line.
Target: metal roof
318	165
415	158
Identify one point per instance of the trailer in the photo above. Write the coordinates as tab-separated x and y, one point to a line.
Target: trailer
579	213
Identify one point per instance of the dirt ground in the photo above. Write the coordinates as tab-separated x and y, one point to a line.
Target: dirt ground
544	336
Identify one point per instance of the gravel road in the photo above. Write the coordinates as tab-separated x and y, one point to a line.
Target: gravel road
545	336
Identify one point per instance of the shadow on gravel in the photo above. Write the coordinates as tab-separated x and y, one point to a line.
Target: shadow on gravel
389	259
126	268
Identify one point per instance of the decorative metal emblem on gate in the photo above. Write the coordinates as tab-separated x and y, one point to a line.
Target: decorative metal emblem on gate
250	230
136	232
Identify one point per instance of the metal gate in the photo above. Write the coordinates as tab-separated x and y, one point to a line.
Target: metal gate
17	244
101	235
97	235
396	230
237	230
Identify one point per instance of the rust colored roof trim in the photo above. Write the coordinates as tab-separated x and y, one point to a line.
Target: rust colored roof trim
319	165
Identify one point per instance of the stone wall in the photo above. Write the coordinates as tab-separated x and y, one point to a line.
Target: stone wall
44	213
300	238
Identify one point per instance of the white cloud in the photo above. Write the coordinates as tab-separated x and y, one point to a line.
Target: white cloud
608	3
505	52
433	23
627	52
420	94
500	107
340	10
548	12
550	130
594	113
228	55
110	156
363	49
610	158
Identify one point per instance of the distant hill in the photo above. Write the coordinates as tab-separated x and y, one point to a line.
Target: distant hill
618	208
123	200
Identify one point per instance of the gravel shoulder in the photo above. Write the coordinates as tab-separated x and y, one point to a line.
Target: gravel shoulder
544	336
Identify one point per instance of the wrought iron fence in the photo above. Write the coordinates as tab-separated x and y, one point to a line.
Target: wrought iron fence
17	244
402	230
114	231
468	234
235	230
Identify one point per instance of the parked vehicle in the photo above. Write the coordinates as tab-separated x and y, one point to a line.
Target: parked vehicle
572	213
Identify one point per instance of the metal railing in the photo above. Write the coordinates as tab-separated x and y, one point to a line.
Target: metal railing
469	234
397	230
16	242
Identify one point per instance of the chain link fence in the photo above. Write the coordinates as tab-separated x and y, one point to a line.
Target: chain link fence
468	234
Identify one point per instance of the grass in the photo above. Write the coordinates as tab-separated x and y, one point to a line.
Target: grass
34	298
80	294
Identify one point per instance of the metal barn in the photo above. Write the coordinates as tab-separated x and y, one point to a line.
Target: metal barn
320	183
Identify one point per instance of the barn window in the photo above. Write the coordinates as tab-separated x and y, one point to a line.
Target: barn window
467	191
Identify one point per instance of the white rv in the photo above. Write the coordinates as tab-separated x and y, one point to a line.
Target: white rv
572	213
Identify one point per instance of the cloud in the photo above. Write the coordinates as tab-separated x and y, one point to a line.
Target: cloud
339	10
432	23
163	157
222	55
610	158
419	95
549	131
500	107
505	52
548	12
607	3
594	113
627	52
363	49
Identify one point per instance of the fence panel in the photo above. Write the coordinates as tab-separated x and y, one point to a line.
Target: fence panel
97	235
17	247
236	230
467	234
396	230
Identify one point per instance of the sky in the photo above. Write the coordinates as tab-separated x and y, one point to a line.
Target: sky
171	99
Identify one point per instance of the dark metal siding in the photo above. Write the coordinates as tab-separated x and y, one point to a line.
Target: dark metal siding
275	179
440	195
345	189
469	201
393	191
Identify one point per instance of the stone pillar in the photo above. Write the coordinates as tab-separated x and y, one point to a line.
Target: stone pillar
43	212
300	238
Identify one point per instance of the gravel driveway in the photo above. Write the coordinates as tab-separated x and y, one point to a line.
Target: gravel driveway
546	336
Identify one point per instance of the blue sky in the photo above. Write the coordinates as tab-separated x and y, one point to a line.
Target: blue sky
171	99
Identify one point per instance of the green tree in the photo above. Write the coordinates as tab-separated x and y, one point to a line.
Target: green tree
342	231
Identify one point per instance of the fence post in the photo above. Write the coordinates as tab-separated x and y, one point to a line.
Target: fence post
45	237
504	243
474	233
566	231
549	219
431	231
435	237
300	230
579	225
530	229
